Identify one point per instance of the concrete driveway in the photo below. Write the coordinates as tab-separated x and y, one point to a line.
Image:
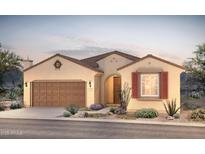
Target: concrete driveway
33	113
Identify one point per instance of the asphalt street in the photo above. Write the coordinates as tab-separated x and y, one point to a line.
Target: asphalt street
54	129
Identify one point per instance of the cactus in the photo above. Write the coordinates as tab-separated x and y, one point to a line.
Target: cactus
124	99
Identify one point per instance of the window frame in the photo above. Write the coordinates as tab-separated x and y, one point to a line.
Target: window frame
140	85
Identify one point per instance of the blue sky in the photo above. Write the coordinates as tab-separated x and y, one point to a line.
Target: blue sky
170	37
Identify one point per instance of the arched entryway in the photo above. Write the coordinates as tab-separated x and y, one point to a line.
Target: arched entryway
112	89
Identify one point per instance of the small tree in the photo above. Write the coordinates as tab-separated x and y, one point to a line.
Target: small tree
8	61
196	66
124	99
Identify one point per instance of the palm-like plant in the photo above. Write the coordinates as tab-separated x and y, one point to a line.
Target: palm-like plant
171	107
8	61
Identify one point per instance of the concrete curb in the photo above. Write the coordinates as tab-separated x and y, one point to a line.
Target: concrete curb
114	121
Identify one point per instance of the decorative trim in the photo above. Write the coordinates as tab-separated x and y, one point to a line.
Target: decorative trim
57	64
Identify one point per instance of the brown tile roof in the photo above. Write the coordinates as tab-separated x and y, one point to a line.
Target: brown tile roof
149	55
92	60
70	59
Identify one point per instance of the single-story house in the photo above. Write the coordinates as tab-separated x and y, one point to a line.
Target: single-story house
61	80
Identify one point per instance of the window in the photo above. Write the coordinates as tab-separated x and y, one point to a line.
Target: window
149	85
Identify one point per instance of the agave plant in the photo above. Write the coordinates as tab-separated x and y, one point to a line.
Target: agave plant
171	107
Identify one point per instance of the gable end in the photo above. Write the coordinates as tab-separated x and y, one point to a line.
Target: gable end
67	58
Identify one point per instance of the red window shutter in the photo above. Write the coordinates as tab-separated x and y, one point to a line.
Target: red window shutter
135	87
164	85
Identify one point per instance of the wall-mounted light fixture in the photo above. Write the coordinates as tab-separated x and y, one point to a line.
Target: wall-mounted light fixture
26	84
90	84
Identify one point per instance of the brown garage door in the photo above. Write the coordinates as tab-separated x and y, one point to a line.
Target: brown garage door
49	93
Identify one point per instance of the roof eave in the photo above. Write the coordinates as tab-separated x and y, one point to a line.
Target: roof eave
65	57
149	55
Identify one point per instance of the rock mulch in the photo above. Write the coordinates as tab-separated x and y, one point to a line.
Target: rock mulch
7	103
106	114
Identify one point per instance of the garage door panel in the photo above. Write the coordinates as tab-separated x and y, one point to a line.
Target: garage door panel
35	95
58	93
42	94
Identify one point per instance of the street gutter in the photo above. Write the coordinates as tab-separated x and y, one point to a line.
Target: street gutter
115	121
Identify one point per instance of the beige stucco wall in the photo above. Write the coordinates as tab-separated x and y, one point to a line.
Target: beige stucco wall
68	71
109	90
153	65
110	65
97	91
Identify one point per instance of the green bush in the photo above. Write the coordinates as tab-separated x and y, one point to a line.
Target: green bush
11	95
171	107
2	90
19	91
67	114
73	109
196	94
190	106
198	114
15	106
146	113
113	110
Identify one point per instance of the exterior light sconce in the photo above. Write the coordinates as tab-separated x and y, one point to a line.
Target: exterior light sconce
26	84
90	84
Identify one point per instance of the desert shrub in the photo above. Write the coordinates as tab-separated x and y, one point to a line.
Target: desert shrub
2	107
196	94
113	110
18	91
15	106
198	114
67	114
2	90
86	114
190	106
11	95
73	109
96	106
14	93
146	113
171	107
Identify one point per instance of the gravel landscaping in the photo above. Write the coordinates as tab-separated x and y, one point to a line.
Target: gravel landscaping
106	114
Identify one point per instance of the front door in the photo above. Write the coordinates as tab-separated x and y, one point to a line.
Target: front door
116	89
